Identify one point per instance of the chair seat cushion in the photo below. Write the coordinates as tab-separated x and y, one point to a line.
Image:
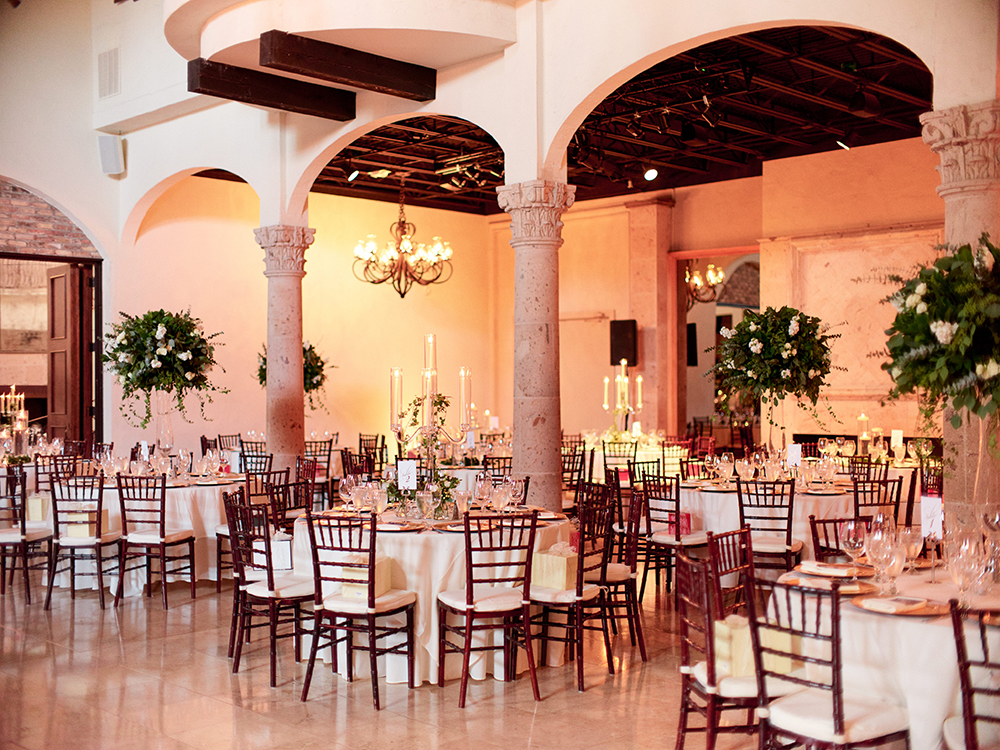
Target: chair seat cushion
222	530
655	525
486	598
152	536
616	573
545	595
775	544
13	536
695	539
743	687
288	586
807	712
108	537
391	600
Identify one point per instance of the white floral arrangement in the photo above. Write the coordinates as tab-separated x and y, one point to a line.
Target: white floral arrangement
944	343
774	354
160	351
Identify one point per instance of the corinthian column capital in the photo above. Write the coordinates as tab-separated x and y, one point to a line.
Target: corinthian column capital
535	207
967	138
284	249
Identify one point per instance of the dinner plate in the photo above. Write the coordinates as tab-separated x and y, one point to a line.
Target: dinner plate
812	582
930	607
398	527
836	570
716	488
833	491
212	482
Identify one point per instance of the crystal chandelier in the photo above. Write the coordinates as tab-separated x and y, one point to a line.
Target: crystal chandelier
402	261
703	290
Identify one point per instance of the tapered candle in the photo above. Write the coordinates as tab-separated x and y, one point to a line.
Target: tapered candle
625	398
395	394
638	392
430	352
607	380
464	390
426	405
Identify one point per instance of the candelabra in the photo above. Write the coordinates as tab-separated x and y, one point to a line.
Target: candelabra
15	420
431	428
623	397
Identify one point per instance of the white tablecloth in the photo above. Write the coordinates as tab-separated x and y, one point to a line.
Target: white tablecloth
909	660
427	563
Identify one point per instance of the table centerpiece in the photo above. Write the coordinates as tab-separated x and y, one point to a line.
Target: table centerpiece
160	352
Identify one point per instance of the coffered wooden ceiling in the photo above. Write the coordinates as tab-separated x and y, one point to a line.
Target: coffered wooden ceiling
713	113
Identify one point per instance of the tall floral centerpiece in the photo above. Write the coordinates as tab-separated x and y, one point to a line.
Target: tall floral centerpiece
428	441
313	373
944	344
773	354
160	351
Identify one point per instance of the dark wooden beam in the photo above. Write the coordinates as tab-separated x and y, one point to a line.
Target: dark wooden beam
347	67
265	90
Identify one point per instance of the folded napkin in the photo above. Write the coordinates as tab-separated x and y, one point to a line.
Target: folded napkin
894	606
824	584
839	570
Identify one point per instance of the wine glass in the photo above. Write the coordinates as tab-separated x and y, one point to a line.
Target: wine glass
484	487
744	469
726	465
852	540
500	497
840	445
463	498
712	466
347	488
912	450
807	472
913	541
879	545
899	453
964	554
849	448
380	501
821	446
425	504
183	462
516	491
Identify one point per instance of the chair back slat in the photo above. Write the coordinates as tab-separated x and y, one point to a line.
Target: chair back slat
872	496
255	463
498	467
595	514
498	551
13	491
229	442
695	614
730	556
143	503
320	451
617	453
977	633
343	551
256	483
77	503
250	535
289	501
663	500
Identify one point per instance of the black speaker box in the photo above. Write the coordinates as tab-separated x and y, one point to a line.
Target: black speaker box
623	342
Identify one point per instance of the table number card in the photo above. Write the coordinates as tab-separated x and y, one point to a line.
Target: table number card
406	474
794	454
470	440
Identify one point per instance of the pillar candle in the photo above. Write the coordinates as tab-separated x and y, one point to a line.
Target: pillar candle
862	425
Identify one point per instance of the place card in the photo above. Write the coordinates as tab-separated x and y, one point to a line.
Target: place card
793	454
406	474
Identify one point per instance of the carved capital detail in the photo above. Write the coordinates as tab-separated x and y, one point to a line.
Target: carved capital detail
284	248
967	138
535	208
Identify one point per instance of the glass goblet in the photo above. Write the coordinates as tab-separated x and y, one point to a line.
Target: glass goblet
347	487
849	448
913	541
484	487
425	505
840	445
463	498
516	490
852	541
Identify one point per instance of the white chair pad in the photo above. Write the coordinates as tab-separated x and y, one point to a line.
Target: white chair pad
389	601
775	544
544	595
288	586
486	598
89	541
13	536
616	573
809	713
694	539
150	536
656	526
222	530
743	687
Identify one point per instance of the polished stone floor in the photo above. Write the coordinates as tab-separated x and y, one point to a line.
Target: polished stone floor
77	678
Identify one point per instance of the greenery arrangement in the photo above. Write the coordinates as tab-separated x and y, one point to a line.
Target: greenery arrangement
944	344
313	373
428	442
16	459
773	354
160	351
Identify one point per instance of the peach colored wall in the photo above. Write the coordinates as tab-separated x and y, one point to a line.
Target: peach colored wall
722	214
203	230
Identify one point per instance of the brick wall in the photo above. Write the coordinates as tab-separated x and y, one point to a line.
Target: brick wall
29	224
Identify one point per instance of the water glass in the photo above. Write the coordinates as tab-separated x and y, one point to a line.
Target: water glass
913	541
463	499
849	448
852	540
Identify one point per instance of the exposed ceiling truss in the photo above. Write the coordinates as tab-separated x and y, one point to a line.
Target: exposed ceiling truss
713	113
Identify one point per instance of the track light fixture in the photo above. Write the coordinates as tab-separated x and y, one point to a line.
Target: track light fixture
634	127
650	173
864	104
352	172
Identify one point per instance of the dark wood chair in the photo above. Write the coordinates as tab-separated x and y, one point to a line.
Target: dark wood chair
321	451
826	538
877	495
357	463
617	454
495	597
498	467
26	545
229	442
619	584
260	591
289	502
571	611
767	507
979	674
343	554
730	556
807	621
663	521
81	532
146	536
572	473
255	463
208	444
572	443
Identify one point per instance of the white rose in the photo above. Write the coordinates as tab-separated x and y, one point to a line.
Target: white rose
912	301
751	374
921	289
921	308
161	331
793	327
753	327
756	346
155	364
895	372
896	301
784	355
943	332
786	374
189	375
120	339
162	351
184	356
985	260
123	357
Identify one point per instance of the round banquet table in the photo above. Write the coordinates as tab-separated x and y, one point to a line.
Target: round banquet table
907	659
196	507
427	562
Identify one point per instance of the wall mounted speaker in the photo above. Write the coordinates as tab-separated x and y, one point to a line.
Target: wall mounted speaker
109	148
623	342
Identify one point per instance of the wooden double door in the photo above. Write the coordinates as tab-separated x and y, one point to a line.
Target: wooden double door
72	355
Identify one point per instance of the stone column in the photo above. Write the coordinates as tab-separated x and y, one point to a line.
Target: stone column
535	208
967	138
284	265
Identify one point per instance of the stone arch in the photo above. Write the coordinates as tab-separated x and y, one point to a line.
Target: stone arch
34	224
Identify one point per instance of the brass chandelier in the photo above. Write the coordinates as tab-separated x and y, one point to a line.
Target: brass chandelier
703	290
401	261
